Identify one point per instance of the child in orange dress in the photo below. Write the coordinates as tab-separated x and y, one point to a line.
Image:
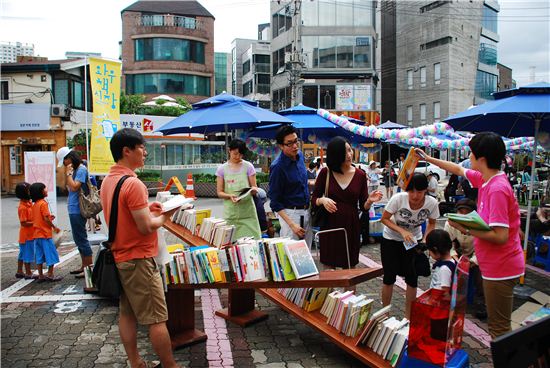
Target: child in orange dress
45	251
26	239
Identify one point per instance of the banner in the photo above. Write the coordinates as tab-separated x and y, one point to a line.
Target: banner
40	168
105	80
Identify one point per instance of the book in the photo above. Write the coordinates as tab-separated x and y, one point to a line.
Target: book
470	220
243	193
407	171
541	313
317	299
369	326
300	259
175	202
284	262
398	346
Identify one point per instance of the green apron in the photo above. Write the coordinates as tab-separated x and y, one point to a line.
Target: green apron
243	213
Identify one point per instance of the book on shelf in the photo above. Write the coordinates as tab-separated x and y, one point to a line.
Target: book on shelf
380	340
470	220
374	318
317	298
407	171
300	259
390	345
398	346
176	202
284	262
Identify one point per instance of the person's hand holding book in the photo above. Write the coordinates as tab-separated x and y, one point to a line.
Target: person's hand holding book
459	227
423	155
407	236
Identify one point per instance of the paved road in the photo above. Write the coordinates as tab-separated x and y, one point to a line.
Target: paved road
56	324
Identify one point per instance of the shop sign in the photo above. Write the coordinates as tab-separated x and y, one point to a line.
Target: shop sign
24	117
354	97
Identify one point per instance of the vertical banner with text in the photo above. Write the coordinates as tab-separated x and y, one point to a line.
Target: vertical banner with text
105	80
40	168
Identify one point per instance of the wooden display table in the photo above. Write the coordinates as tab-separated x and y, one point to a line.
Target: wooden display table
180	300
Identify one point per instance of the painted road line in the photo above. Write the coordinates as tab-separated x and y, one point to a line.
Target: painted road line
470	327
7	293
50	298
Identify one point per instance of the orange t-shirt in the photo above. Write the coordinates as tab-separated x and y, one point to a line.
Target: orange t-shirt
41	228
129	243
24	211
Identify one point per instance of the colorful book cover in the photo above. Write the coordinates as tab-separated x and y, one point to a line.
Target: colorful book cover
173	248
408	169
215	266
470	220
286	267
300	259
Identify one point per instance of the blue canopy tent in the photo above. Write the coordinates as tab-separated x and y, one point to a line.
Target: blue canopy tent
220	113
519	112
307	122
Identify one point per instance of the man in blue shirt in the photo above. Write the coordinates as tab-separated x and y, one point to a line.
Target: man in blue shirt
288	187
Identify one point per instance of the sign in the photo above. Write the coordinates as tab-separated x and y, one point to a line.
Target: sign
25	117
105	80
355	97
40	168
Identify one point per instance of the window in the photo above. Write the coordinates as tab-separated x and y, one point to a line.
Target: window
78	95
486	84
489	19
327	52
16	160
246	67
61	91
168	83
409	79
310	96
423	76
437	111
409	115
422	113
282	21
431	6
247	88
487	51
328	97
279	58
435	43
169	49
4	91
437	73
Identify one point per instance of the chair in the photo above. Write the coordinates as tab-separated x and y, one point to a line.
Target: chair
542	251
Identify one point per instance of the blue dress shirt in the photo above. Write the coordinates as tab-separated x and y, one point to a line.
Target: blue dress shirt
288	186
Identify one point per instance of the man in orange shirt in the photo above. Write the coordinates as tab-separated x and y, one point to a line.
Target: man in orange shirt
134	248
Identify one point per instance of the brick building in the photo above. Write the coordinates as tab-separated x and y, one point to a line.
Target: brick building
168	48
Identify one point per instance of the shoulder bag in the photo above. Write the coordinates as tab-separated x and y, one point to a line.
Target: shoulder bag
90	204
105	274
319	214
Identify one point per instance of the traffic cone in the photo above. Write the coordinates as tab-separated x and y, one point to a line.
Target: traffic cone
189	188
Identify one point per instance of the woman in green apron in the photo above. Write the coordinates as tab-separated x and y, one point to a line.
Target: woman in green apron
233	176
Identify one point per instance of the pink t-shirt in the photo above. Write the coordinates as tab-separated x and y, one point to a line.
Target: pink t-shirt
245	166
497	206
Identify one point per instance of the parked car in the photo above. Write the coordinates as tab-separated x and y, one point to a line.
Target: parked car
425	167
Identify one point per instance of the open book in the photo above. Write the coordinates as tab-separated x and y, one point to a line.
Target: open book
470	220
407	171
243	193
175	202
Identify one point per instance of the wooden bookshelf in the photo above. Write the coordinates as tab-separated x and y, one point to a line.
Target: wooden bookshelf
241	310
319	322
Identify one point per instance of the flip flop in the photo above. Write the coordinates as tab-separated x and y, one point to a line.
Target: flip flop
76	272
19	275
41	279
53	279
31	277
79	276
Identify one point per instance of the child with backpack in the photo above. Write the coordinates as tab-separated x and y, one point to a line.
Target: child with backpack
26	239
45	251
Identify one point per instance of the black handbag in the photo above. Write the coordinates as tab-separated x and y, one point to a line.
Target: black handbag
319	214
105	274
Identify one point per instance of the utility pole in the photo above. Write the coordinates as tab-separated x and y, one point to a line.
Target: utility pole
294	60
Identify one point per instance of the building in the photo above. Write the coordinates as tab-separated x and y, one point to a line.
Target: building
250	66
168	48
505	80
10	51
222	71
324	55
81	54
445	57
40	103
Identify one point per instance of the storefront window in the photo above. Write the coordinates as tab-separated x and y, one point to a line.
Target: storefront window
310	96
327	52
344	52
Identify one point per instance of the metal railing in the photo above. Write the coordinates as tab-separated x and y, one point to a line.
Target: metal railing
167	20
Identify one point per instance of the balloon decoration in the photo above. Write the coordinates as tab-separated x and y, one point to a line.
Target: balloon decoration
423	136
253	145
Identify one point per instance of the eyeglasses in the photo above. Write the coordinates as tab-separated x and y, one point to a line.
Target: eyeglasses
292	143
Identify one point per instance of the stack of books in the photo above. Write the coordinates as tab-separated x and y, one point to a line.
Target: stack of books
346	312
386	336
191	219
309	299
216	231
247	260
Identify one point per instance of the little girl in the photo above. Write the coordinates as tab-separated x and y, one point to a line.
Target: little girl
45	251
26	239
439	245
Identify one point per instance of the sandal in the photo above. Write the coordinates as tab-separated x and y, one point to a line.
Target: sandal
41	279
19	275
53	279
76	272
31	277
150	364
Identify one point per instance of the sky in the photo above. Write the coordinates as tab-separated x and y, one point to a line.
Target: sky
58	26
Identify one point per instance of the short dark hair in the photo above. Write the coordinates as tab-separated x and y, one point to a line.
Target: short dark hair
419	181
282	132
312	165
439	241
238	144
36	191
126	137
75	159
22	191
336	154
466	203
489	145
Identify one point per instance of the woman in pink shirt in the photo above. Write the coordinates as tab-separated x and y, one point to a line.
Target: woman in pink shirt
498	250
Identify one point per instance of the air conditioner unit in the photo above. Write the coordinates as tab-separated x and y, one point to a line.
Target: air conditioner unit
288	57
60	110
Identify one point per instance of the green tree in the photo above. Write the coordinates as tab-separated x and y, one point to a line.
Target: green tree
133	104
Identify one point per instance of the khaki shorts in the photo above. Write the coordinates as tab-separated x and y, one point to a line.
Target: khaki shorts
143	293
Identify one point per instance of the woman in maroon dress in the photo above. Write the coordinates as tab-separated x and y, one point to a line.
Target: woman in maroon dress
347	191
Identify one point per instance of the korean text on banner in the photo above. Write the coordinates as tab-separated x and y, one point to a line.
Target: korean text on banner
40	168
105	80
